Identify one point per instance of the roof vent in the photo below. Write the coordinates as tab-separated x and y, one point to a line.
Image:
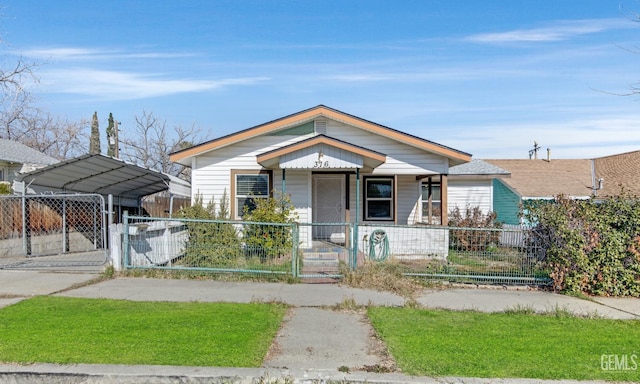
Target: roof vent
321	127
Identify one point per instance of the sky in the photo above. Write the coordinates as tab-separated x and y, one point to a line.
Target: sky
488	78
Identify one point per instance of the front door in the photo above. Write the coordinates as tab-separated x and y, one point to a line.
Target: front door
329	207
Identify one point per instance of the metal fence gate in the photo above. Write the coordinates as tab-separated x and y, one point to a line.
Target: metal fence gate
52	230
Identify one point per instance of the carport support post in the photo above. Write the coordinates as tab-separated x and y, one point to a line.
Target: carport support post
110	208
125	239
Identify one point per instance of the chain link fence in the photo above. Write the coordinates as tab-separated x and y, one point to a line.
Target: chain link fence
209	245
321	250
52	230
487	255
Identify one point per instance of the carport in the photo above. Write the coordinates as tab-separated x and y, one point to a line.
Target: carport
59	214
123	184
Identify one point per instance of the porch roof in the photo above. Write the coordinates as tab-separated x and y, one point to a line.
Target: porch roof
321	152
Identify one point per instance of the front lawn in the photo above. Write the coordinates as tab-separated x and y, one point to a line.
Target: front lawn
96	331
502	345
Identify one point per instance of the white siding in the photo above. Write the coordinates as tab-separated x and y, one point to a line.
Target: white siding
211	172
211	175
401	158
470	193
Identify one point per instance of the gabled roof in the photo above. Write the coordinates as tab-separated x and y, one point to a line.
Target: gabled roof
104	175
15	152
621	171
478	168
547	179
309	115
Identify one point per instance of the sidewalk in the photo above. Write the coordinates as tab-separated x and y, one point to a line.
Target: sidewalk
314	341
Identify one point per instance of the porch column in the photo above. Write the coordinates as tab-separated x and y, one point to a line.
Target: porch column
356	240
284	182
444	211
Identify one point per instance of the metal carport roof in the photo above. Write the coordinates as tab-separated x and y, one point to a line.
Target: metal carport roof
103	175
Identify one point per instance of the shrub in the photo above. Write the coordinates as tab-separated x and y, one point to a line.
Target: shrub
5	188
475	230
267	241
213	240
589	247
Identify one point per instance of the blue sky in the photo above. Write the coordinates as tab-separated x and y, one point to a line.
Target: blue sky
485	77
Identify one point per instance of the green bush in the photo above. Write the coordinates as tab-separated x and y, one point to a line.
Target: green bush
588	246
474	230
266	241
213	240
5	189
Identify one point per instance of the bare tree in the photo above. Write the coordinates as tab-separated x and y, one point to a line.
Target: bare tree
16	101
59	138
151	141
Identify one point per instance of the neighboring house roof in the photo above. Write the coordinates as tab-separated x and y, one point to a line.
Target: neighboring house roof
183	156
15	152
478	168
618	172
535	178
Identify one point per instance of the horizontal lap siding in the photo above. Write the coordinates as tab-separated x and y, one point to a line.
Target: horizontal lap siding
401	158
470	193
211	175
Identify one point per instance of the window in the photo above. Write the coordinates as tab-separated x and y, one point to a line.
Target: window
249	186
378	198
2	174
431	202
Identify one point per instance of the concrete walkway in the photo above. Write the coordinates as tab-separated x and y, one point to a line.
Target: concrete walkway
316	342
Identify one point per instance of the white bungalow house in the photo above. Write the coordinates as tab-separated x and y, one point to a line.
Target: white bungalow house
336	167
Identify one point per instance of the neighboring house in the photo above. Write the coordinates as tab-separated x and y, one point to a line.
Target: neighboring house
536	179
617	173
18	158
320	157
472	185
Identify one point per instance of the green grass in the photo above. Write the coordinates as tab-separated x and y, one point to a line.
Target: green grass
473	344
70	330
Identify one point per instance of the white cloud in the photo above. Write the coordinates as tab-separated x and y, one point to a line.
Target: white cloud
562	30
84	54
127	86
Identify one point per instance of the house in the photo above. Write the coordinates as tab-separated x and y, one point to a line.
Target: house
16	158
536	179
336	167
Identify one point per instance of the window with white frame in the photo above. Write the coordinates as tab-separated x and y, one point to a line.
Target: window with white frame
431	202
3	174
378	198
248	187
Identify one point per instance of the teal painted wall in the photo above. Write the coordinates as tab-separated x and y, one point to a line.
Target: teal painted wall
506	204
